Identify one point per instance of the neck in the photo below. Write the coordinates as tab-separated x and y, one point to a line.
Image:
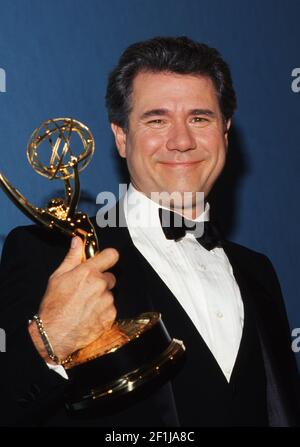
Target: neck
190	205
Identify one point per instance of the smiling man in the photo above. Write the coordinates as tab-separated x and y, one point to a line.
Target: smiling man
176	140
170	103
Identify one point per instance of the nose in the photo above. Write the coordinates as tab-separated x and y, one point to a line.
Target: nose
180	138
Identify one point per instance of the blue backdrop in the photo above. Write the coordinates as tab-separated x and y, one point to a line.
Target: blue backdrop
55	56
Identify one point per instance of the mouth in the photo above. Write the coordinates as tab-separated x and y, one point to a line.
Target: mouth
180	164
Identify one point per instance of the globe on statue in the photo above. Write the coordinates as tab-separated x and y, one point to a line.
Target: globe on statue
59	144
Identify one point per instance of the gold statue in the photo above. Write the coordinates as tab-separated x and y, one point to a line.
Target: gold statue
105	378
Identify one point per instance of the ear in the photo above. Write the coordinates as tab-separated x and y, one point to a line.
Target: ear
120	139
227	126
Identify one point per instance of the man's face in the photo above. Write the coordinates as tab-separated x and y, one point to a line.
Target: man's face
177	139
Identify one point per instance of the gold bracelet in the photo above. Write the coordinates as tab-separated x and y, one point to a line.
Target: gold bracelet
47	343
45	339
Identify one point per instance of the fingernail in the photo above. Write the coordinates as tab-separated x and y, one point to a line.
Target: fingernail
74	242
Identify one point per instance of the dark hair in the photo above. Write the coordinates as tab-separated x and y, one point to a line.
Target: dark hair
167	54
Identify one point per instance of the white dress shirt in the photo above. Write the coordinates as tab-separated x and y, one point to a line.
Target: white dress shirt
202	281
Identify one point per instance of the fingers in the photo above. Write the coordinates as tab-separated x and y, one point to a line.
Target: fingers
73	257
108	313
110	279
104	260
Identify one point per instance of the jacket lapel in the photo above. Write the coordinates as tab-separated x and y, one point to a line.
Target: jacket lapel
270	330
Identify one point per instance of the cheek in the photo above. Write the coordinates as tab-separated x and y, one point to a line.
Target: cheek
208	140
214	145
148	143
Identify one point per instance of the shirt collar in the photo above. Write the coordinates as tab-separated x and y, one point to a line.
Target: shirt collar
141	211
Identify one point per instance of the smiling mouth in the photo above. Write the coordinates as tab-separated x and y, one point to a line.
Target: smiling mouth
180	164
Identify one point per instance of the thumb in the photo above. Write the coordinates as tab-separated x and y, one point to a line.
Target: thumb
73	257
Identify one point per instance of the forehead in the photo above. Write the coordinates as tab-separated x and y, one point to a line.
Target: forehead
165	89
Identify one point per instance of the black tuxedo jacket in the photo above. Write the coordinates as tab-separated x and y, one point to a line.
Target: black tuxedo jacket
32	394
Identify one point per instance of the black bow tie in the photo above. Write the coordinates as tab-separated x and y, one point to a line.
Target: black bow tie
176	226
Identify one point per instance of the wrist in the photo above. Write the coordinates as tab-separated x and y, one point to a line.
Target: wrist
38	343
43	344
45	339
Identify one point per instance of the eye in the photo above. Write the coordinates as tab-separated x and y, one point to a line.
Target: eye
199	120
156	123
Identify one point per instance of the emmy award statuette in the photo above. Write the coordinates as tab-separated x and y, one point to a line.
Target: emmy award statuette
135	353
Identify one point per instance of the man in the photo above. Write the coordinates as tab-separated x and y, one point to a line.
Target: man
170	103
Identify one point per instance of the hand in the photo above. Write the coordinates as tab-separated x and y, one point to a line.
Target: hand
78	304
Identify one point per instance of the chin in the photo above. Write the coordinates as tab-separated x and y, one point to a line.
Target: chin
187	188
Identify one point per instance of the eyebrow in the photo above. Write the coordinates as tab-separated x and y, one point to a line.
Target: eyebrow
163	112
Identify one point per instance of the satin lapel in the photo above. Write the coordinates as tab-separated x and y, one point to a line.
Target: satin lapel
268	323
